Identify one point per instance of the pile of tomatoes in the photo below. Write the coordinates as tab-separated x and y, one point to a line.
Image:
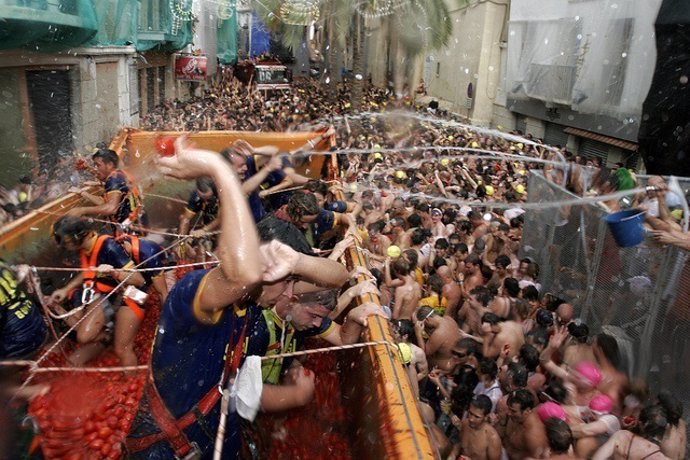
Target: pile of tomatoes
318	431
88	415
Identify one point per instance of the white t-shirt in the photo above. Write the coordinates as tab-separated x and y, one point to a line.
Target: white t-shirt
494	393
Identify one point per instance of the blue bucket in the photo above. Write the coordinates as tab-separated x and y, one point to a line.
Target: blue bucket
626	227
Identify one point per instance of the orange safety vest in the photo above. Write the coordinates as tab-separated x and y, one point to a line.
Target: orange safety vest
134	242
91	277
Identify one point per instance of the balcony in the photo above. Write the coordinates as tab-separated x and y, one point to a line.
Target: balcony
45	25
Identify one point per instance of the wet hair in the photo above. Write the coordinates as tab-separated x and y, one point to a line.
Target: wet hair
412	257
486	272
672	407
466	380
302	204
511	286
529	356
544	317
521	397
502	261
401	267
468	344
317	186
491	318
414	220
328	298
107	155
482	402
559	435
439	262
271	228
205	184
653	422
517	374
424	313
540	336
73	227
405	327
579	331
530	293
473	259
488	367
461	248
483	295
378	275
441	243
435	283
555	390
554	302
418	236
474	215
503	227
377	226
609	347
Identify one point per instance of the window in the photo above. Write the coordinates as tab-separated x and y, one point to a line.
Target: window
141	86
438	69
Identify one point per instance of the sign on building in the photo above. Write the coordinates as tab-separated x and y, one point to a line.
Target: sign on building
190	67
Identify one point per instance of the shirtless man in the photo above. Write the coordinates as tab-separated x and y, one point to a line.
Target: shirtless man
451	291
504	303
474	307
478	439
560	439
443	334
412	357
479	225
378	243
500	337
626	445
407	294
525	434
473	273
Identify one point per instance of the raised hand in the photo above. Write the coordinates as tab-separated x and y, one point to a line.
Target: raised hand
279	260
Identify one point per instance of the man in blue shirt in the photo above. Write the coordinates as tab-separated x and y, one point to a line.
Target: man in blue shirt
22	328
202	325
122	201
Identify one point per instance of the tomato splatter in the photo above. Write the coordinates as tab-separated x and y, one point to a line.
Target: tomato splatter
165	145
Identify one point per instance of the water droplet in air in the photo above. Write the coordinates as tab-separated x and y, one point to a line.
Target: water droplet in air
684	80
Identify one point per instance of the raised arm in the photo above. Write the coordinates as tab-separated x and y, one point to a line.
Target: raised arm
240	266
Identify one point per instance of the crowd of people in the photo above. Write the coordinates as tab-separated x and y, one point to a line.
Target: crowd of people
499	368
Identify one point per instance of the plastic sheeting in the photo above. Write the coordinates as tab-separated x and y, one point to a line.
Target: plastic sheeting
596	56
51	25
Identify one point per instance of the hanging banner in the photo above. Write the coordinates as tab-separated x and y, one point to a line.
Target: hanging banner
190	67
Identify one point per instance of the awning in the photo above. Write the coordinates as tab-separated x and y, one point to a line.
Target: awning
625	145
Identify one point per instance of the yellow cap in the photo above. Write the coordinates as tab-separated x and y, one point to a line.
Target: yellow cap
445	161
512	147
353	187
400	174
475	144
393	252
378	156
522	172
677	214
372	119
377	146
489	190
520	145
520	189
348	105
22	197
450	138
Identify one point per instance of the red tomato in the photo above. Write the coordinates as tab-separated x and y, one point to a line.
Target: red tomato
105	450
90	437
104	432
165	146
113	421
89	426
96	444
